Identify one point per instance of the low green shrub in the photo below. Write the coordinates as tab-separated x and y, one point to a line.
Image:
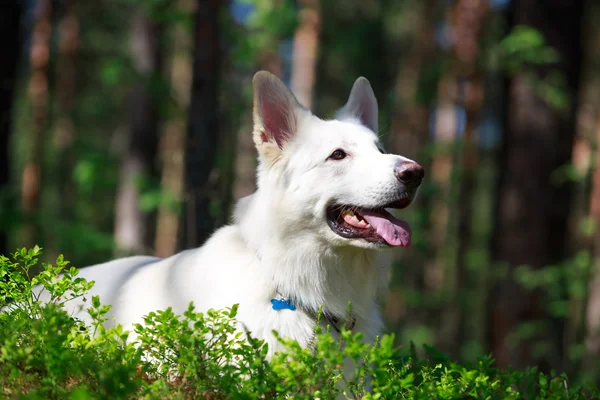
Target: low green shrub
47	354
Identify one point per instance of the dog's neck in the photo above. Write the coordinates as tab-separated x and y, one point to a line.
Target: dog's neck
305	268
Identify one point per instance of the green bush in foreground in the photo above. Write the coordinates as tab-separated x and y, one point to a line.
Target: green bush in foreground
46	354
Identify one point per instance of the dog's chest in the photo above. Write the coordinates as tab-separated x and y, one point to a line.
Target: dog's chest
260	321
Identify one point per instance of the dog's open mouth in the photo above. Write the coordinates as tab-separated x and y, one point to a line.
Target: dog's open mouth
373	225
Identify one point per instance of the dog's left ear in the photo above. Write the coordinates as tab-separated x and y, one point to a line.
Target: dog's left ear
361	104
276	112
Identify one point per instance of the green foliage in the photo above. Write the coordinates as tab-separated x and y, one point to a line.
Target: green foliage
45	353
267	25
152	196
524	50
570	278
526	46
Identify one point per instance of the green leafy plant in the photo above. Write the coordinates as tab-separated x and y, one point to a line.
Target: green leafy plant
523	51
46	353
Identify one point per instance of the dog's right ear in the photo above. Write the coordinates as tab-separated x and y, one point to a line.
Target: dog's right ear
275	115
361	104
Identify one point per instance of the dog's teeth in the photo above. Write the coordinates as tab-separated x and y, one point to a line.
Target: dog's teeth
352	219
362	223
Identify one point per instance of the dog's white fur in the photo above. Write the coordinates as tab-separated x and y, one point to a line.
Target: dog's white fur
280	242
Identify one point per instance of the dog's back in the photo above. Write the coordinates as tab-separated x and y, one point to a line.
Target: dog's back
108	277
220	274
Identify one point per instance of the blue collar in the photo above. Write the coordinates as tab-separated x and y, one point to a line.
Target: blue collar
285	304
282	304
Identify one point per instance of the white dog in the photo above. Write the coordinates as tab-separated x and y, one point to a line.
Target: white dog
306	238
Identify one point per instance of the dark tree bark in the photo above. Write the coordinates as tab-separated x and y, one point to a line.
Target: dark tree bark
132	225
532	210
469	18
245	159
592	317
304	58
39	59
408	136
410	114
173	137
64	130
202	138
11	13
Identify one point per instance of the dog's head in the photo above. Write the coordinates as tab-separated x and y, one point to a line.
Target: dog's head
331	178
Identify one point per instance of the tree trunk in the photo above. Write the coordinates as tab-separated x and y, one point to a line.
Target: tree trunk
31	183
245	159
304	58
408	136
532	210
592	318
203	130
586	156
11	14
131	222
172	143
410	115
64	131
469	21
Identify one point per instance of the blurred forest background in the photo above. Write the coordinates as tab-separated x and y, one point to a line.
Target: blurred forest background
125	127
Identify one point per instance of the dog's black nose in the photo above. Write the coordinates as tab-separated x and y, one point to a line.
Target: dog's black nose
409	173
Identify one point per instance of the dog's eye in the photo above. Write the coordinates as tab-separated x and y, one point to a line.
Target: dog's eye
381	150
338	155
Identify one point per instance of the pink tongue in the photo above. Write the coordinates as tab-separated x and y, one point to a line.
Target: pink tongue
394	231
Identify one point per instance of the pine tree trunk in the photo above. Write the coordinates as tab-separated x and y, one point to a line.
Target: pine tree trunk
408	136
203	130
304	58
245	159
172	143
592	318
469	22
532	210
11	14
31	183
63	135
132	224
410	116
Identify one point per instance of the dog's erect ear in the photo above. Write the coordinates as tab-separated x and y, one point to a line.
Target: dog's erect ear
361	104
275	114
